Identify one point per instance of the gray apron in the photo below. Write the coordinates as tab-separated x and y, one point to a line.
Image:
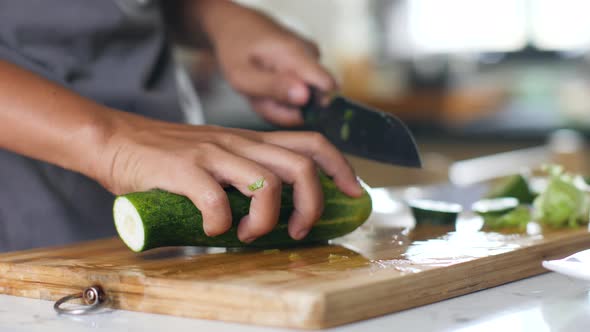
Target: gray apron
114	52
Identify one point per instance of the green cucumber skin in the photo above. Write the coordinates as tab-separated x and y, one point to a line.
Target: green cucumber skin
173	220
513	186
424	216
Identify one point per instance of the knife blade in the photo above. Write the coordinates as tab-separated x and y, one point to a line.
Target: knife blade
361	131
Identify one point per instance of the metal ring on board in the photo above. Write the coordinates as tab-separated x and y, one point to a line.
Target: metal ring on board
93	296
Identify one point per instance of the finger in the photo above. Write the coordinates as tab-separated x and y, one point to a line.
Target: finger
207	195
295	169
277	113
313	49
306	66
324	153
260	83
252	180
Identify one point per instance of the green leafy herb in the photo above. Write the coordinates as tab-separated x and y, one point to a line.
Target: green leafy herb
562	203
256	185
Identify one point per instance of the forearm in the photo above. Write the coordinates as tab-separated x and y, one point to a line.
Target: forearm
45	121
201	23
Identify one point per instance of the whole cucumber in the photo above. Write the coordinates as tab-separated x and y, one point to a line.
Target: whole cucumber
156	218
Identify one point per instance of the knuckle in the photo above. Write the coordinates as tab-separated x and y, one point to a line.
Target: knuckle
206	147
318	141
272	183
185	165
231	139
214	201
305	166
202	154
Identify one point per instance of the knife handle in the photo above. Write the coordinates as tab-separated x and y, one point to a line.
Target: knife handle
309	110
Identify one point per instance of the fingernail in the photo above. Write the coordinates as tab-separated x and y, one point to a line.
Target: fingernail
356	190
301	234
296	94
207	230
359	187
243	230
249	240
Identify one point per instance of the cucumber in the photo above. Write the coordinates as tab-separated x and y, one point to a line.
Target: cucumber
156	218
513	186
494	207
434	212
515	219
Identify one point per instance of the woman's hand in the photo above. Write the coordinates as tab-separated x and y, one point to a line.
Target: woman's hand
267	63
197	161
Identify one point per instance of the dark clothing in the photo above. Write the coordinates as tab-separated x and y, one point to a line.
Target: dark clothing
114	52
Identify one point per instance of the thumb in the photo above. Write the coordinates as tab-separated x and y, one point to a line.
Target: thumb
308	68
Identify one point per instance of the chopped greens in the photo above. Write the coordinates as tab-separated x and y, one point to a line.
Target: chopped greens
345	129
348	114
517	218
256	185
345	132
332	258
562	203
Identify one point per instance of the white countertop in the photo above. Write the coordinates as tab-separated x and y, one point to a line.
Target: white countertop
549	302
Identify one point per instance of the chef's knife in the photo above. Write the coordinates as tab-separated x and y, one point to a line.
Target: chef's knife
361	131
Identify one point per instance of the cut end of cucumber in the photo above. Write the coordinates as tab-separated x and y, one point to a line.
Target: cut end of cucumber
499	205
129	224
438	206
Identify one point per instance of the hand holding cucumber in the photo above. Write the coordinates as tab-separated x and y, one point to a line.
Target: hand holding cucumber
196	161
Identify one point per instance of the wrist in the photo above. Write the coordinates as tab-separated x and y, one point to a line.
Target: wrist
91	143
116	135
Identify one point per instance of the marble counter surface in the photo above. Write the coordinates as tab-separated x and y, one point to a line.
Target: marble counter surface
549	302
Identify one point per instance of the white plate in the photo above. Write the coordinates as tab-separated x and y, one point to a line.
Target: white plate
575	266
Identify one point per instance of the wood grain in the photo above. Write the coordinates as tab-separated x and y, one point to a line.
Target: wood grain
376	270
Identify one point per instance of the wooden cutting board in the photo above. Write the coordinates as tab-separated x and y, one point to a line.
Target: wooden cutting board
380	268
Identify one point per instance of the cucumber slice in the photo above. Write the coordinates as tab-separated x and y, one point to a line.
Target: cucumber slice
434	212
513	186
494	206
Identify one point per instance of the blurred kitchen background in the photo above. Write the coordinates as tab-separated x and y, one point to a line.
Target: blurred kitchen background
470	77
